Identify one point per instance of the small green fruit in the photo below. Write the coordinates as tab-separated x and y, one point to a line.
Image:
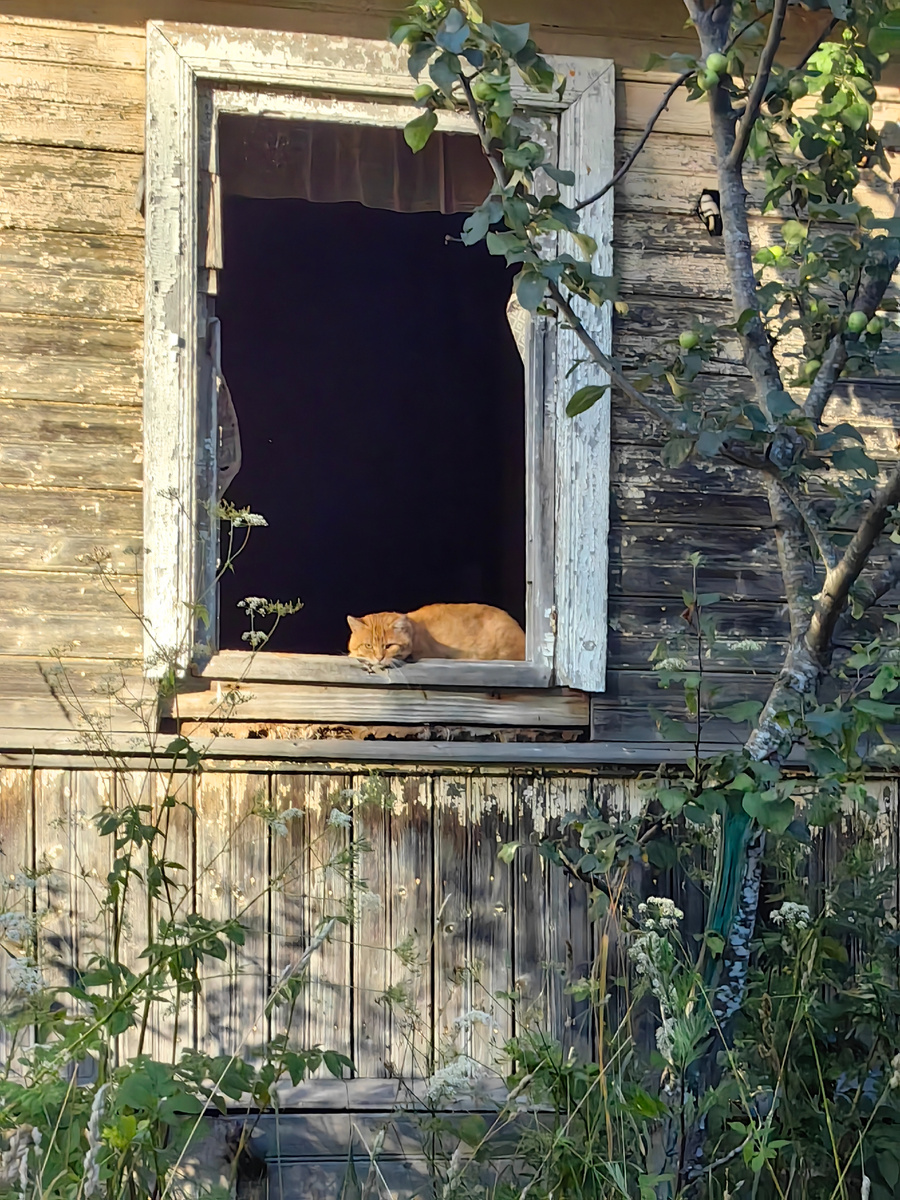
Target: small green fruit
811	368
707	80
482	90
797	87
717	63
422	91
875	326
687	339
857	322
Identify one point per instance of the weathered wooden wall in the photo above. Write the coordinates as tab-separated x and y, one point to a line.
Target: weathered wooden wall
481	926
71	253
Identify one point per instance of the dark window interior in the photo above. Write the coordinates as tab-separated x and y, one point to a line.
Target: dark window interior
380	399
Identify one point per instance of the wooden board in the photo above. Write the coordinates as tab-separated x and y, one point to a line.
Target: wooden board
299	702
75	191
70	445
38	612
70	359
55	104
232	848
272	667
69	274
48	529
16	860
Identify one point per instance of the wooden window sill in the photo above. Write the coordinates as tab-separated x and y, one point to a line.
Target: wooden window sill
269	667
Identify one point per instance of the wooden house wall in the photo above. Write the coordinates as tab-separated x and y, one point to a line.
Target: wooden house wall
71	263
481	926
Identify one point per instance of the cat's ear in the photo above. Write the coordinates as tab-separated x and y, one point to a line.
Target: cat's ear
402	625
356	625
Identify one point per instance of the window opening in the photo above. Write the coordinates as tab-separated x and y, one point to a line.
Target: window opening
378	388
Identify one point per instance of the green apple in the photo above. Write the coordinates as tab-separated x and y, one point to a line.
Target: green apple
811	367
707	80
717	63
875	326
687	339
857	321
797	87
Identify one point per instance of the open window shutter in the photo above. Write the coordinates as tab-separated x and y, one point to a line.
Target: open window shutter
582	442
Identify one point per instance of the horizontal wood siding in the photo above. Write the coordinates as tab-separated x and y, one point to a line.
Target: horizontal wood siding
71	255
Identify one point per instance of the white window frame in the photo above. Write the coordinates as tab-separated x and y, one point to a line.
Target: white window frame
195	73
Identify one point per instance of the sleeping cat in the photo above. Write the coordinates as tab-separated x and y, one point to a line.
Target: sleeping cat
468	631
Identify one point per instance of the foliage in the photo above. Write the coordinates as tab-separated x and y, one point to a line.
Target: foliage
751	1017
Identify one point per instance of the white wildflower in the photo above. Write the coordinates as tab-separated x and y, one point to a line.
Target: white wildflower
17	927
22	880
256	638
453	1081
95	1144
278	822
660	913
672	663
248	518
14	1159
866	1190
745	644
664	1040
792	916
339	820
475	1016
254	604
894	1081
24	976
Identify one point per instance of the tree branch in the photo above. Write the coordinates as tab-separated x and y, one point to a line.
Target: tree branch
829	29
839	581
760	83
626	166
817	527
871	294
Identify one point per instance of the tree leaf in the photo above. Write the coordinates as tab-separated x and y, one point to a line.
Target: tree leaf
417	131
676	451
453	32
530	288
742	710
565	178
444	72
585	398
507	852
511	37
419	56
854	458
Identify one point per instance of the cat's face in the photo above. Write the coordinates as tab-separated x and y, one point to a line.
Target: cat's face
382	638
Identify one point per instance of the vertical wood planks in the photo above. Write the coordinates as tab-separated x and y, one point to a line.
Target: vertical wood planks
392	1018
232	870
16	858
307	892
473	894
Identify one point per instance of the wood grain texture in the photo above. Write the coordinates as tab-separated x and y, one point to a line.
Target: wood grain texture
272	667
51	529
16	859
582	444
39	611
70	359
73	191
77	446
60	104
67	274
299	702
232	878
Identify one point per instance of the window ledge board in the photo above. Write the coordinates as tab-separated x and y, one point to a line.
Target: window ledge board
270	667
219	702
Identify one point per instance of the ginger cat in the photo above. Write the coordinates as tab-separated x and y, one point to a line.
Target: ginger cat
467	631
